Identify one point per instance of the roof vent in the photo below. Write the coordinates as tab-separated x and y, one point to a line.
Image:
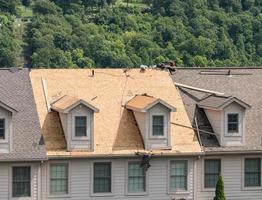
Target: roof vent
143	68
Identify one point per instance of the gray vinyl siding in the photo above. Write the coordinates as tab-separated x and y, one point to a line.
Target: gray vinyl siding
6	180
80	175
232	171
215	118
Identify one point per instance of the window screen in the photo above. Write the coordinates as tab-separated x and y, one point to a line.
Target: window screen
212	171
21	181
136	177
252	172
80	126
59	178
158	125
178	175
102	177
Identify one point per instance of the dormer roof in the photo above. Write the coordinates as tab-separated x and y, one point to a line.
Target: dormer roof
142	103
7	107
67	103
220	102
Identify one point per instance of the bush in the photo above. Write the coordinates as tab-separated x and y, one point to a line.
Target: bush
220	194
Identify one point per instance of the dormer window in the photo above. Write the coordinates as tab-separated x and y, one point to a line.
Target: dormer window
2	129
80	126
232	123
158	125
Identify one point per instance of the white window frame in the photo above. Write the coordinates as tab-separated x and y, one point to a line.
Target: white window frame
88	127
62	195
105	194
169	176
238	133
247	188
165	125
126	185
11	181
203	172
7	129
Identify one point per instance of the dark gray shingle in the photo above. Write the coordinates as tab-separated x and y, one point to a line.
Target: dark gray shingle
16	92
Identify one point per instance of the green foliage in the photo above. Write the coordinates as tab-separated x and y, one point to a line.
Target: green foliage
220	194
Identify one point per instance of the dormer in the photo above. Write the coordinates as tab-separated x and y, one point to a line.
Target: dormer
153	118
77	118
6	114
227	118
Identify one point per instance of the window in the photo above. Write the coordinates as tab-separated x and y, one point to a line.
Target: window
212	171
102	177
59	178
158	125
136	178
80	126
252	172
178	175
232	123
2	129
21	181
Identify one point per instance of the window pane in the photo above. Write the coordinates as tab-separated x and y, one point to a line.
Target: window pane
2	128
21	181
80	126
136	177
252	172
59	178
102	177
158	125
232	122
212	171
178	175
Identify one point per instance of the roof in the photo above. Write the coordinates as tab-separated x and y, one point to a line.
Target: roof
115	128
17	97
144	102
220	102
244	84
66	103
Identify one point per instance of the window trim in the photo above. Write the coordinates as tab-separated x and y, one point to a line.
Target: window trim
203	171
151	136
8	128
88	127
49	182
238	124
2	118
127	193
92	179
247	188
11	180
169	177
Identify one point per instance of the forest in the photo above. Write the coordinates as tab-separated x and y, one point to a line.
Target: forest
114	33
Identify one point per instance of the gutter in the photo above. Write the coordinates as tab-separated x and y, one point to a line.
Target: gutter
124	155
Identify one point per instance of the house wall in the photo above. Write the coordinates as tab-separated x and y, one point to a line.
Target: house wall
6	181
80	175
233	174
141	121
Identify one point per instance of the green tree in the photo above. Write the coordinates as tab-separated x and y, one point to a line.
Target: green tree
220	194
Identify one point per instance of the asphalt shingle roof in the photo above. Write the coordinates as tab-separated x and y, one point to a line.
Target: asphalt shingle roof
16	92
244	84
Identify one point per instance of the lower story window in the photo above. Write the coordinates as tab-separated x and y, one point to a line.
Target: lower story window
59	178
212	172
252	172
21	181
136	178
102	177
178	175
